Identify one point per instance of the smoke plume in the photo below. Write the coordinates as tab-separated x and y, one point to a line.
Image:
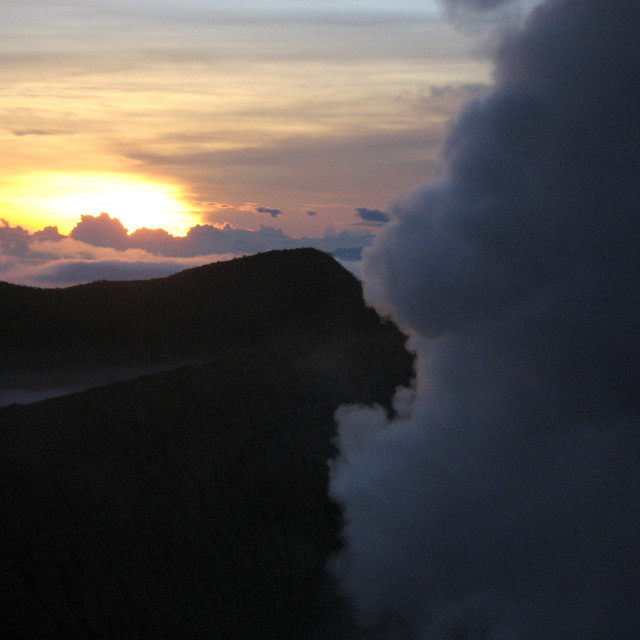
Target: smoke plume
500	501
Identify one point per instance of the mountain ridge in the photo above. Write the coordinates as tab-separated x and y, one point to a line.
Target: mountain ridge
123	320
56	336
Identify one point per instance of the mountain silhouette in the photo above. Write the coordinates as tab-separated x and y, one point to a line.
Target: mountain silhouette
90	334
191	502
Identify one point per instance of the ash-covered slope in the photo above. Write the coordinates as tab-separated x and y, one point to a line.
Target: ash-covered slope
193	503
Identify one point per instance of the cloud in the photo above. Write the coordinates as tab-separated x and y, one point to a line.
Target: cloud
99	247
50	234
308	167
441	98
68	262
372	217
14	241
33	132
90	270
274	213
101	231
206	239
500	499
350	254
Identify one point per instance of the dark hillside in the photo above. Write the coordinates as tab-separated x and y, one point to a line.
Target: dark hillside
193	313
193	503
86	335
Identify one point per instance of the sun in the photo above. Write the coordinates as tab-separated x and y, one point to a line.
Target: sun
61	199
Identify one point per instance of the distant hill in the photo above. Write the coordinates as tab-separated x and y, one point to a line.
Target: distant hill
190	503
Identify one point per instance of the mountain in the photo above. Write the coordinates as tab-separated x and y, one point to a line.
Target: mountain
189	503
90	334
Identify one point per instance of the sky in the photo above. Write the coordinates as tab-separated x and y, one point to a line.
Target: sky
499	500
291	114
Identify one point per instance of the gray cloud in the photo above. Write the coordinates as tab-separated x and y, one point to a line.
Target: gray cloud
372	217
50	234
101	231
14	241
501	500
274	213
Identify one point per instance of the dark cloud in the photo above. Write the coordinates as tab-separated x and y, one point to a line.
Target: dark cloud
274	213
101	231
14	241
156	241
372	217
50	234
501	500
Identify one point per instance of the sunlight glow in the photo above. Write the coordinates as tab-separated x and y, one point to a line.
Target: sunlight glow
61	199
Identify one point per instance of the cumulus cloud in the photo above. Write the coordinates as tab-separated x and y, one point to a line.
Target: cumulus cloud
372	217
500	499
50	234
101	231
98	243
14	241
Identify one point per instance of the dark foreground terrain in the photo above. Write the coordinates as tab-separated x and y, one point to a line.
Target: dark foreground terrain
190	503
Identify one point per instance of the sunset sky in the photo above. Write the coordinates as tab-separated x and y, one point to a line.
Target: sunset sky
290	114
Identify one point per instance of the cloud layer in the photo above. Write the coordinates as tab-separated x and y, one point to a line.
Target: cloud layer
501	500
100	247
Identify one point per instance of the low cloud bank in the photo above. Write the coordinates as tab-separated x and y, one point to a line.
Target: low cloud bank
100	247
500	502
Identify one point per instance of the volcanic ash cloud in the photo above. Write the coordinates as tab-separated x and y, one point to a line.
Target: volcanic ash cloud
501	500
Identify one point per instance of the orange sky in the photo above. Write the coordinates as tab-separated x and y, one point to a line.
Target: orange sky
169	114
